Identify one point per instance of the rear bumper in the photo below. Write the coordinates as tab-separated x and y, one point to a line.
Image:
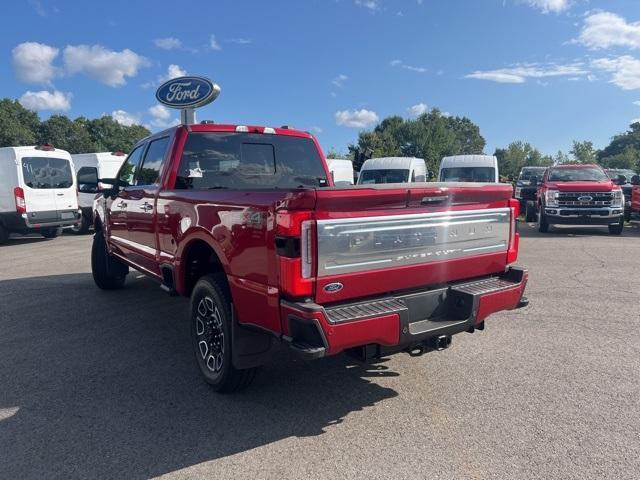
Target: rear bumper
398	322
54	218
583	216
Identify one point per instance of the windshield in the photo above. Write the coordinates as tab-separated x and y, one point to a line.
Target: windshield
577	175
468	174
527	173
46	172
613	173
384	176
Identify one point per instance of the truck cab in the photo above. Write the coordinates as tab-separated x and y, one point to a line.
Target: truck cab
37	191
579	195
247	223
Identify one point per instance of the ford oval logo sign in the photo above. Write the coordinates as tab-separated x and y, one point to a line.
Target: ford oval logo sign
585	198
187	92
333	287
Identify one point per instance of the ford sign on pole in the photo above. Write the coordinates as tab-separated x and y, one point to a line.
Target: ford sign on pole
187	94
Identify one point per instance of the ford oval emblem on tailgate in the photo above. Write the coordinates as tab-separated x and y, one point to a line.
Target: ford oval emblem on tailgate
333	287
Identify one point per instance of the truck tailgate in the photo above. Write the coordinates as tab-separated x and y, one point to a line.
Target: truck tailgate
371	241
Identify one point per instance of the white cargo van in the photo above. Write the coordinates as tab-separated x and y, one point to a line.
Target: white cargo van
469	168
37	191
393	170
341	171
108	165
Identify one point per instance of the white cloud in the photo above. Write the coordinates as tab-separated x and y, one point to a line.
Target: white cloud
168	43
213	43
339	80
34	62
356	118
625	70
519	73
316	129
637	103
161	117
401	64
372	5
106	66
44	100
239	41
125	118
417	109
173	71
606	29
38	8
547	6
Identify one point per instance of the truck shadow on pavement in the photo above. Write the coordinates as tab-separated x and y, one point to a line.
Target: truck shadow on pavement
104	384
530	230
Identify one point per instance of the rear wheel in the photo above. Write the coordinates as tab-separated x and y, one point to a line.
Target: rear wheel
108	273
4	234
617	228
543	226
530	212
211	336
50	232
81	227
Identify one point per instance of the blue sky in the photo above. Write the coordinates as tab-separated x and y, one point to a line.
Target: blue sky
543	71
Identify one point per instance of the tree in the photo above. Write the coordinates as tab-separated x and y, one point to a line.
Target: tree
583	152
60	131
518	155
628	159
18	126
109	135
561	158
622	147
431	136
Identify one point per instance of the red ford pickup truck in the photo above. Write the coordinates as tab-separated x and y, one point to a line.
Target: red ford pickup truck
579	195
246	222
635	196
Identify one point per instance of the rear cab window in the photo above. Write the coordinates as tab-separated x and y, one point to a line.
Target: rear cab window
220	160
46	172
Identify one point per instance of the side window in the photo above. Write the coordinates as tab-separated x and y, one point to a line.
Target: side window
130	167
149	171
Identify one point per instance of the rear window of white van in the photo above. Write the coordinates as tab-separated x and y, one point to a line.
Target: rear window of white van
46	172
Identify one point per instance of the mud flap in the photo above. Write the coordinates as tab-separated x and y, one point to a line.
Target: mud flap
251	347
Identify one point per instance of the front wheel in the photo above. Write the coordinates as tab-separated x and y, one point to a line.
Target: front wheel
50	232
82	226
543	226
108	273
617	228
530	212
211	336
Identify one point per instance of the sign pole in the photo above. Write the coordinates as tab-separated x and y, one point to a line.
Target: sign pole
188	116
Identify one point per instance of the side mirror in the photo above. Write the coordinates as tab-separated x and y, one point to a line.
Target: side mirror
88	180
635	180
620	180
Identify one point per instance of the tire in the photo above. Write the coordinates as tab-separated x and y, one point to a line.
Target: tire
617	228
210	319
530	215
4	235
543	226
50	232
627	214
83	227
108	273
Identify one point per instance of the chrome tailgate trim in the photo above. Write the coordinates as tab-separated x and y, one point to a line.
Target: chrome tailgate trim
367	243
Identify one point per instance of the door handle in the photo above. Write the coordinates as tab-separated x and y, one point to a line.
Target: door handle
146	206
121	205
60	194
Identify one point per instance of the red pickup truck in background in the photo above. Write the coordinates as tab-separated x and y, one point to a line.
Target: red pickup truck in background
635	195
246	222
579	195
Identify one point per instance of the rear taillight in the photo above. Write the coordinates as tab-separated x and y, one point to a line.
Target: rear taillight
294	246
21	205
514	237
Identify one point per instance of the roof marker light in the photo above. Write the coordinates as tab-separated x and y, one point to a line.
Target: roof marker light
269	130
242	128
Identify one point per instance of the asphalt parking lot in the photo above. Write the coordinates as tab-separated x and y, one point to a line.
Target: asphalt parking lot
103	384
